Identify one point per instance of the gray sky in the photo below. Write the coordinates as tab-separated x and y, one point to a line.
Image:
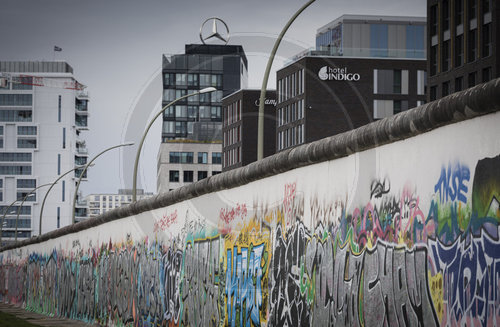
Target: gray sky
115	48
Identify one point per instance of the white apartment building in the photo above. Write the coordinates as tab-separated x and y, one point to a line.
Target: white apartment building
100	203
43	110
183	162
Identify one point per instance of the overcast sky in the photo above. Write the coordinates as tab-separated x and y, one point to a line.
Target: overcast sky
115	48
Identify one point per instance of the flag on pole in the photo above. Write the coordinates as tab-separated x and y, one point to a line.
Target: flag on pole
56	48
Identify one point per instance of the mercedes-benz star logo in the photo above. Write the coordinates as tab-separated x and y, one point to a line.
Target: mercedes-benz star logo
215	33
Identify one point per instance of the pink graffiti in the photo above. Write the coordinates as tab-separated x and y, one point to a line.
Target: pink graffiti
229	214
290	192
166	221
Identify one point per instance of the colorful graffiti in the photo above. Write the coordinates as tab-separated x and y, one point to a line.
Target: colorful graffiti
401	257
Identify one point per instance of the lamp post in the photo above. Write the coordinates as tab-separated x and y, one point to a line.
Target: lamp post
47	194
85	170
136	164
30	193
3	219
260	126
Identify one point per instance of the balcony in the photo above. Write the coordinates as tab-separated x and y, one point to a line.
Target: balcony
81	122
81	149
82	95
81	106
78	172
80	161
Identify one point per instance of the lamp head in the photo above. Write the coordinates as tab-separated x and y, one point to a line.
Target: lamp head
208	89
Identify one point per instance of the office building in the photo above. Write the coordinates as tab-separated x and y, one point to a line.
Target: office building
43	110
100	203
240	112
193	127
363	69
463	44
373	36
183	163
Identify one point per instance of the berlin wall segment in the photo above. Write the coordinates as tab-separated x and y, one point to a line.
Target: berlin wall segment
406	233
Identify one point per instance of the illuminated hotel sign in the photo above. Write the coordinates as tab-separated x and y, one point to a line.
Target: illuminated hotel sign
337	74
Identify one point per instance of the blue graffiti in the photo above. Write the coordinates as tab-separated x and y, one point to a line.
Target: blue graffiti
243	285
470	276
452	183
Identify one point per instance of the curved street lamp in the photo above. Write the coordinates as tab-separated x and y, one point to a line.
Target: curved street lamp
260	126
47	194
3	219
85	170
30	193
136	164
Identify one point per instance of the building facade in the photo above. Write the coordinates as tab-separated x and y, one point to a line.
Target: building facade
194	125
240	112
320	96
181	163
373	36
98	204
463	44
43	110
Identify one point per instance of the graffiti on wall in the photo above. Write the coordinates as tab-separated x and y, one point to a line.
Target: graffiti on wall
404	256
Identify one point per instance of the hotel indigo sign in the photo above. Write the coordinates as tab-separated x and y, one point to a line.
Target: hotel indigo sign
336	74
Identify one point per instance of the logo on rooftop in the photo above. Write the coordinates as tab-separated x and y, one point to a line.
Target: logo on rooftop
337	74
219	31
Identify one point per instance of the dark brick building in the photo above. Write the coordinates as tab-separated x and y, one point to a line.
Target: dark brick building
240	116
320	96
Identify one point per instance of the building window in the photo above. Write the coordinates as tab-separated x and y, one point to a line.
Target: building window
15	115
22	195
169	79
446	14
459	81
173	176
215	172
180	79
434	21
471	4
216	158
26	130
26	183
58	217
187	176
459	51
64	138
472	46
16	99
445	89
433	93
181	157
63	191
202	157
459	12
58	164
202	174
192	79
445	56
486	5
15	170
487	44
15	156
59	110
26	143
397	81
472	79
433	59
486	74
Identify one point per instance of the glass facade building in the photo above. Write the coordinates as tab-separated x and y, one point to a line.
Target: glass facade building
199	117
373	36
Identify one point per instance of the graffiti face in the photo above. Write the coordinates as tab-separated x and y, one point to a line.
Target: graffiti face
401	257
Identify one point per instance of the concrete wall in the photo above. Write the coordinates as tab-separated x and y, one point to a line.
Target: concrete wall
394	223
